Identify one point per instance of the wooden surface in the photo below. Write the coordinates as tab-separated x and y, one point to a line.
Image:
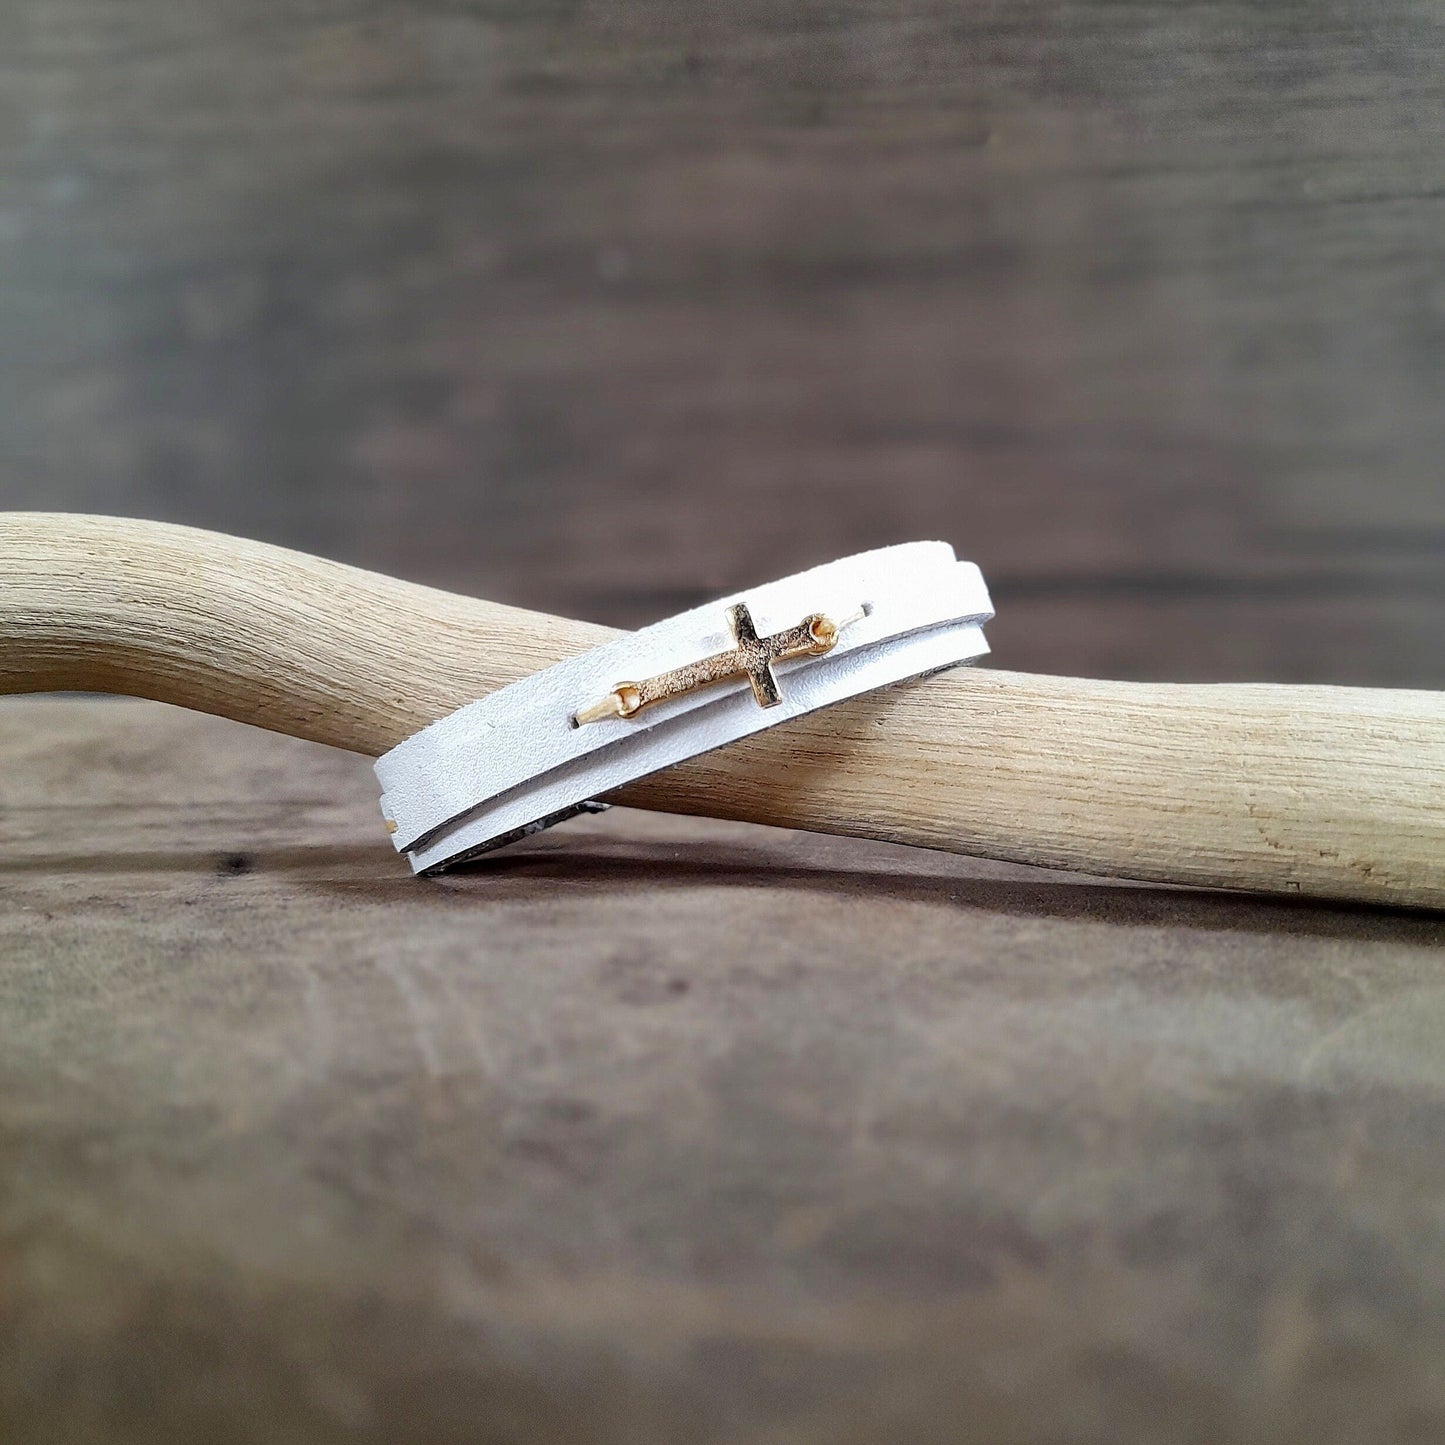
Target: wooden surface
546	300
669	1130
1325	792
663	1129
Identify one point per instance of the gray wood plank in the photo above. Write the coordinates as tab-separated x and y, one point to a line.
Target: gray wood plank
547	300
667	1129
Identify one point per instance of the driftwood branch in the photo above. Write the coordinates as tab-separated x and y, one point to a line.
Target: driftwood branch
1332	792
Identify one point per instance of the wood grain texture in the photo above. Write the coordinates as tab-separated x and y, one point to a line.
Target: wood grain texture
1328	792
676	1129
1139	304
663	1129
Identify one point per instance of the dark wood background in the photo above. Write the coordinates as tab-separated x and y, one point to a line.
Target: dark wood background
662	1130
602	306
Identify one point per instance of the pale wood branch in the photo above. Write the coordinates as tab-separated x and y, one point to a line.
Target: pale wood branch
1332	792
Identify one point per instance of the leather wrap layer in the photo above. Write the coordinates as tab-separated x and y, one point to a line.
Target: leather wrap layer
514	761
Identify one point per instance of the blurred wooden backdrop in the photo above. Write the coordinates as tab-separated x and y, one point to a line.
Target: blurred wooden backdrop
674	1131
599	307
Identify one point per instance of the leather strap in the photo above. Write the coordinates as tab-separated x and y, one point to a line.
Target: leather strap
517	760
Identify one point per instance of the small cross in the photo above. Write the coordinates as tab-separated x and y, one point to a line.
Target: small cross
752	657
755	654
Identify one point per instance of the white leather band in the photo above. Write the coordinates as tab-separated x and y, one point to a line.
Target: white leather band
516	761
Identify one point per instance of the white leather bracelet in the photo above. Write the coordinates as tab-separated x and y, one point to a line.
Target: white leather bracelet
545	748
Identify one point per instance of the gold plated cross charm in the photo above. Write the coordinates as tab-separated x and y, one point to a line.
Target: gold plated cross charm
753	658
